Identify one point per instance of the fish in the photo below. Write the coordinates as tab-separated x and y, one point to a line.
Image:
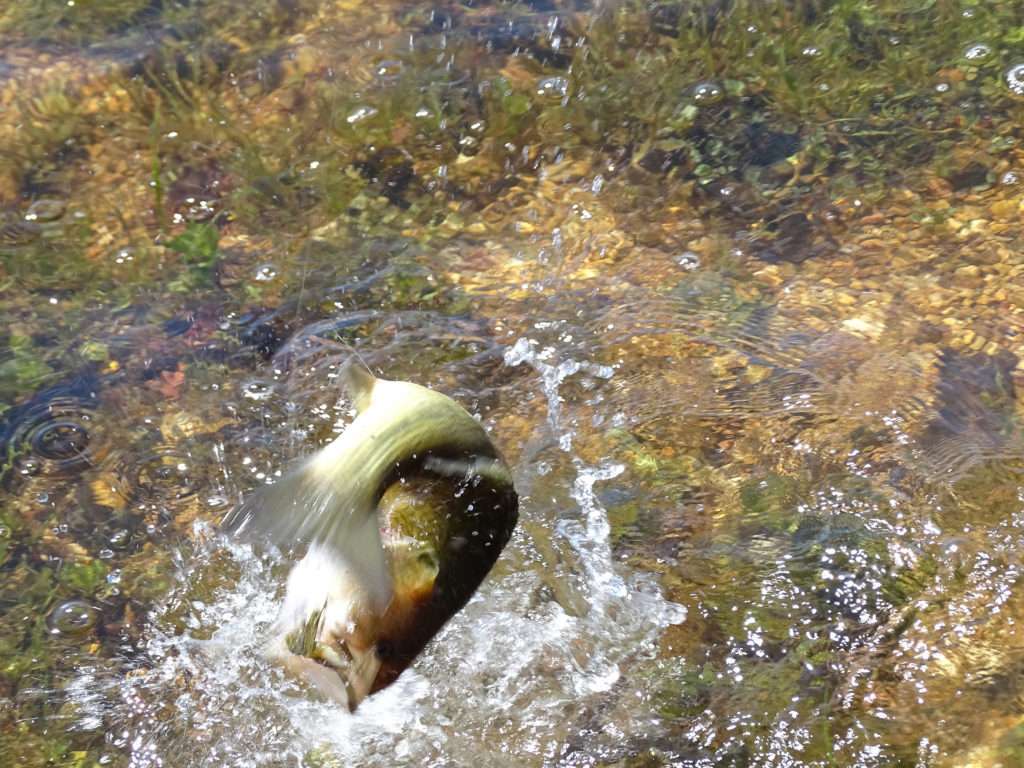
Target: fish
398	520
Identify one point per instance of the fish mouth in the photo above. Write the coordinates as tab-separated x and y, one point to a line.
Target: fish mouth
333	666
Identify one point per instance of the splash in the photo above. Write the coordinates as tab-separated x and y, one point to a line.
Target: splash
517	669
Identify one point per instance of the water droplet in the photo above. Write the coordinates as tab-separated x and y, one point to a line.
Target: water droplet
1015	79
977	52
811	51
45	210
106	554
708	92
553	88
119	538
942	87
359	114
1009	178
72	618
968	13
5	532
265	273
423	113
688	260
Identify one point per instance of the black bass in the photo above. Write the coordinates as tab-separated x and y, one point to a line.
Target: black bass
402	517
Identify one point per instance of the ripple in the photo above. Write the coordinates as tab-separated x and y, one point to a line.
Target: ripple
61	441
165	480
166	475
56	437
14	233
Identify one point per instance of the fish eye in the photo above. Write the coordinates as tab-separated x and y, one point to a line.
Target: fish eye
385	649
427	559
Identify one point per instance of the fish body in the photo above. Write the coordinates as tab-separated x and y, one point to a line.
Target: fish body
402	516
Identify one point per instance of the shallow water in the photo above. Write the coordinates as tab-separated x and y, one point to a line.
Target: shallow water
736	287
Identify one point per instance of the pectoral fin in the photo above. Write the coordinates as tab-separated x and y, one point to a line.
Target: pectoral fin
305	507
361	674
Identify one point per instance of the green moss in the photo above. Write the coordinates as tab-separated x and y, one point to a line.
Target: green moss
87	578
63	20
24	370
198	245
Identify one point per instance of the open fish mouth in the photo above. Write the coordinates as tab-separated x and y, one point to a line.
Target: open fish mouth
329	664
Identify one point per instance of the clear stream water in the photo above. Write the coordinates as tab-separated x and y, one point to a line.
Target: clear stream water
735	286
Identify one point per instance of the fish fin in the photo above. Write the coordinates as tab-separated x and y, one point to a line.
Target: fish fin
307	507
361	675
359	383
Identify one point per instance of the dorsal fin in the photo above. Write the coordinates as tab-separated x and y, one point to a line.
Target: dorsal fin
359	383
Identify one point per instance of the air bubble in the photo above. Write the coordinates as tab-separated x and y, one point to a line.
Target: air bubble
688	260
1015	79
45	210
553	88
257	389
360	114
708	92
977	52
265	273
390	69
74	617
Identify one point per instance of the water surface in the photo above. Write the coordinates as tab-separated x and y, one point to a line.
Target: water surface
736	287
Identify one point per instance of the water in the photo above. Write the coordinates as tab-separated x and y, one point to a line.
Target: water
733	286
